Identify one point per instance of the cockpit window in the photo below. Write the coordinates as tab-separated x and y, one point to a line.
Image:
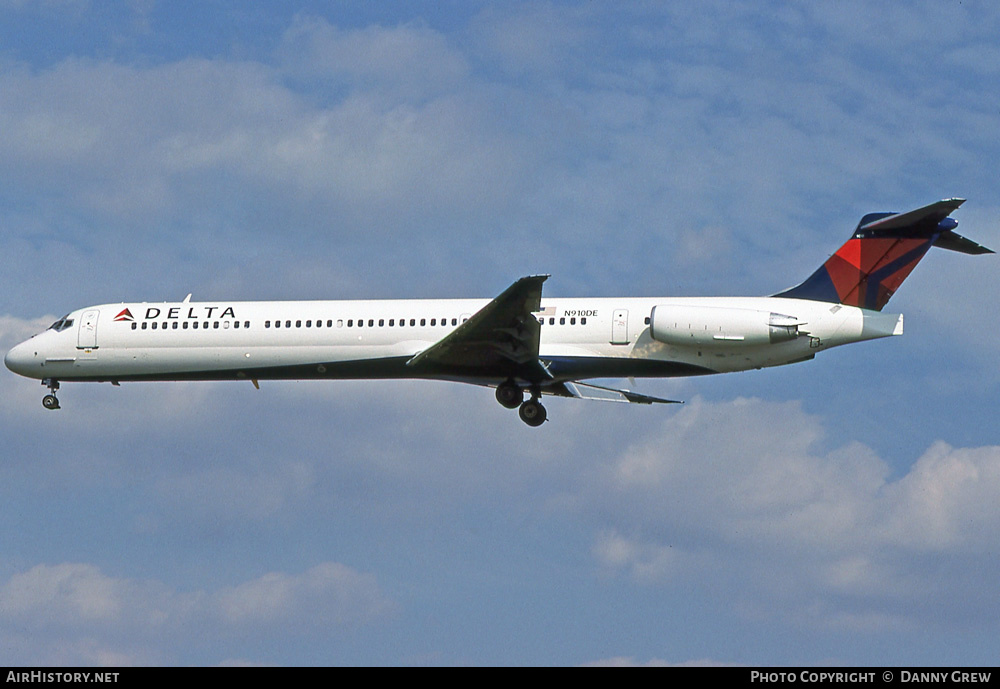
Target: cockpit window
61	324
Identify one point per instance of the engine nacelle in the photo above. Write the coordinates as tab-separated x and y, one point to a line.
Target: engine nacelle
719	326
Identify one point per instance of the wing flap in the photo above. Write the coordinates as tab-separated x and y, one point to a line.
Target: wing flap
589	391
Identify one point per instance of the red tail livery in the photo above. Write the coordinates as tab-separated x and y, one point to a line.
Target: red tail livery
868	269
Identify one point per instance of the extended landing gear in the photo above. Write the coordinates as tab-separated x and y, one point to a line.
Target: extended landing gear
50	401
511	395
532	412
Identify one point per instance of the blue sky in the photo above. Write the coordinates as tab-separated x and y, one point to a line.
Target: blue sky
842	511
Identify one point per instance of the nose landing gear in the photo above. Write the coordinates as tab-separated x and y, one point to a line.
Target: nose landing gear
50	401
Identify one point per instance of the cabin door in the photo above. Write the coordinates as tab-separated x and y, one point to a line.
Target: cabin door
87	338
619	327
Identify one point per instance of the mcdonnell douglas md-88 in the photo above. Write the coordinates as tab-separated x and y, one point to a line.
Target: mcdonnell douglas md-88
520	342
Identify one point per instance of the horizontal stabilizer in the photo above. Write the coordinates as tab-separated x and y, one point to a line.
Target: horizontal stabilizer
911	222
956	242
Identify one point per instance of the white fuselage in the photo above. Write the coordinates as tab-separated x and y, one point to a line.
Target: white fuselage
581	338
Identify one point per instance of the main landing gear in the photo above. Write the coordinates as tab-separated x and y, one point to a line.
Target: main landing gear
511	396
532	412
50	401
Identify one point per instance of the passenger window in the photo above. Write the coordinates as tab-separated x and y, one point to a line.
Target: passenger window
381	322
134	325
144	325
174	326
583	320
288	324
423	321
572	321
340	322
562	321
185	326
216	325
413	321
371	322
298	324
309	323
434	321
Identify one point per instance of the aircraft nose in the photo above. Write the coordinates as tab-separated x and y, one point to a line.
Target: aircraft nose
20	359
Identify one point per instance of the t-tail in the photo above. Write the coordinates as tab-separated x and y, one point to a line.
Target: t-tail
885	248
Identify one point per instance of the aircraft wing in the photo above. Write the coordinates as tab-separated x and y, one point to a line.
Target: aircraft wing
501	337
589	391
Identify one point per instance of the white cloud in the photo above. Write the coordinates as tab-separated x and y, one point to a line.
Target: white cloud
329	593
743	491
534	40
947	503
72	613
14	330
196	138
73	595
406	62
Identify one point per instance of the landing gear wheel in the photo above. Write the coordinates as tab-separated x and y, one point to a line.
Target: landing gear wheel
532	413
510	394
50	401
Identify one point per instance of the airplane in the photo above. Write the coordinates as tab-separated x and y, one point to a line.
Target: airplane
519	343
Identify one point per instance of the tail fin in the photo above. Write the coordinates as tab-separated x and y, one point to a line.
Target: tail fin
885	248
